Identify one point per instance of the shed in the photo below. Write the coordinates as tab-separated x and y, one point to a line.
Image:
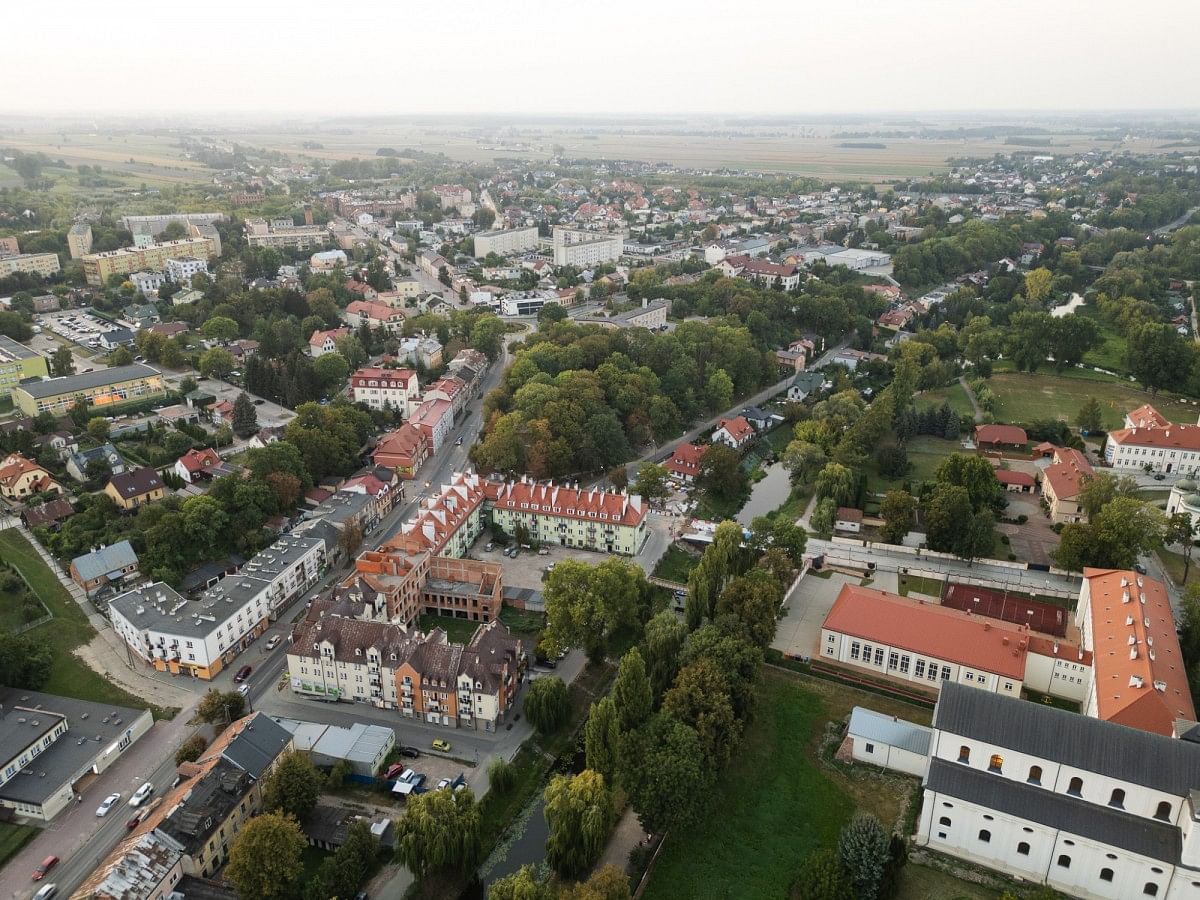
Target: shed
889	742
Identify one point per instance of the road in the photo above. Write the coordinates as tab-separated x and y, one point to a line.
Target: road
1178	223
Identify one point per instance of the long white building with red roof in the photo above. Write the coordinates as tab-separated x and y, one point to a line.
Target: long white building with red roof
591	519
1150	442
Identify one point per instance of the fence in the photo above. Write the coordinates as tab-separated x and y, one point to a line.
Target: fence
40	620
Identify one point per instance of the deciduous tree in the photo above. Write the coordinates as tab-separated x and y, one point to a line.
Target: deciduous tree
293	786
601	737
897	509
699	698
265	859
547	704
440	832
579	811
632	695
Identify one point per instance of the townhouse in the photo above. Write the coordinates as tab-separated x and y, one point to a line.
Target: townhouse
450	388
381	388
403	450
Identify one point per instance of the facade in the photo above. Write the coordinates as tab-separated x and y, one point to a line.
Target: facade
180	269
79	240
129	490
21	478
283	233
604	521
375	315
506	242
103	389
448	523
201	637
148	283
930	645
1062	482
684	463
99	267
77	461
436	419
43	264
577	247
1151	443
322	342
105	565
49	743
805	384
403	449
848	520
381	388
18	362
1185	498
1060	799
889	742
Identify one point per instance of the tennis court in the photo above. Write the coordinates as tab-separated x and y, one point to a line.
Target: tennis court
1011	607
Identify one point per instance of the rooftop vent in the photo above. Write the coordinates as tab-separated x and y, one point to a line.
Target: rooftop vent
1135	681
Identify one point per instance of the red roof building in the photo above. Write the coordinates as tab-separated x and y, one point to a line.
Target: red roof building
322	342
405	449
685	461
375	315
382	388
1146	416
735	432
193	463
1019	482
992	436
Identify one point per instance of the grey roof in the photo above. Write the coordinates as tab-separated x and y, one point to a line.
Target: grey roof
1146	837
69	383
14	350
1141	757
206	805
357	743
867	723
258	745
107	559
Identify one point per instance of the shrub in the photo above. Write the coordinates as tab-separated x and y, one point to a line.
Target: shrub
1022	519
1012	557
191	749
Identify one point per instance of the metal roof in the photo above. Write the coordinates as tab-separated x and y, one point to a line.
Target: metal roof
867	723
257	745
82	382
104	560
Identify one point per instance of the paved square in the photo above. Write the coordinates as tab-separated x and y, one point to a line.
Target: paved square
807	606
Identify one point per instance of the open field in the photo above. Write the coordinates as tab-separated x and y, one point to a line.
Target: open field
1022	397
955	395
1111	352
925	453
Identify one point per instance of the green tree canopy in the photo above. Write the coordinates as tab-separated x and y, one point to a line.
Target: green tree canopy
440	832
293	785
265	859
580	813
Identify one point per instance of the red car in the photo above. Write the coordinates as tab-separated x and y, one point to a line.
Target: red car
44	866
394	770
242	674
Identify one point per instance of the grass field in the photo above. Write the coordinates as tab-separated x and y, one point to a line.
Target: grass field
70	676
1111	352
13	838
520	621
924	454
955	395
458	630
676	565
931	587
1022	397
1173	565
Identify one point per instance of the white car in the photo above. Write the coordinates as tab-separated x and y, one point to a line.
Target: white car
443	784
244	690
46	891
274	642
109	802
140	795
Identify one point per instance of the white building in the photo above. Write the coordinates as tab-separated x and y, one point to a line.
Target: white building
381	388
147	282
506	242
580	248
889	742
1090	808
1185	498
525	303
1155	445
200	637
180	269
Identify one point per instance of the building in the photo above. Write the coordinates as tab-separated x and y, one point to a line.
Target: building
21	478
857	259
129	490
1185	498
157	224
848	520
48	744
9	246
436	419
99	267
852	359
450	388
1140	680
525	303
805	384
374	315
322	342
116	337
381	388
104	566
928	645
419	675
605	521
1016	482
1151	443
1062	482
192	465
148	282
18	362
48	515
684	463
144	867
889	742
364	747
506	242
326	260
1089	808
201	637
104	389
79	240
651	314
998	437
761	271
181	269
420	350
735	433
447	524
404	450
584	249
43	264
282	233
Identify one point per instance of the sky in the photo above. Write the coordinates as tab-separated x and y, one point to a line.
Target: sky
611	57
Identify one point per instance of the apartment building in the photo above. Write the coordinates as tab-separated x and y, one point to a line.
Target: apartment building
283	233
158	223
43	264
404	450
506	241
103	389
526	303
148	283
201	637
381	388
18	362
436	419
79	240
605	521
181	269
99	267
1063	481
448	523
144	867
581	248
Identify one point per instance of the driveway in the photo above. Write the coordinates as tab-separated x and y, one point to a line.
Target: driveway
807	605
1034	540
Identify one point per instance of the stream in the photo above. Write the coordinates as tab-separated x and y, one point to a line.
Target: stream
767	495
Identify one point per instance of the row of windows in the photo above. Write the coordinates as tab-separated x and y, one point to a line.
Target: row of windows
895	661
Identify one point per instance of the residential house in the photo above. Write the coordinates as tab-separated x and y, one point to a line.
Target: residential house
384	495
61	443
49	515
889	742
103	566
852	359
736	433
106	453
21	478
805	384
322	342
1016	482
448	523
382	388
169	329
374	315
192	465
1150	442
684	463
420	350
403	449
848	519
116	337
135	488
1062	483
1000	437
435	418
758	418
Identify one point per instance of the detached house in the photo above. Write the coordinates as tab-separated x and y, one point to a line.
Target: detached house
192	465
684	463
136	488
107	565
735	433
20	478
322	342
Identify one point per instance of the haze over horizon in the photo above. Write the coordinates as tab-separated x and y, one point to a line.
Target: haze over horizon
537	57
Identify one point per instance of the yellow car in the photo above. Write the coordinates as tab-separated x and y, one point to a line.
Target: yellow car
439	744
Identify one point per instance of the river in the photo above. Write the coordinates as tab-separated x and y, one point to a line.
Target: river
767	495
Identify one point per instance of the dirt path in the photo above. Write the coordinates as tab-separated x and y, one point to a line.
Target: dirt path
971	396
141	682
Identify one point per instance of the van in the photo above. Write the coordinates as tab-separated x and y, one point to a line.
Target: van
45	866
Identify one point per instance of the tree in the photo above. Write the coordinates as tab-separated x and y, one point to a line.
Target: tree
190	750
719	390
822	877
221	708
120	357
838	483
98	428
25	660
1090	417
350	539
662	642
245	416
753	601
1157	354
487	335
632	696
1096	491
700	699
216	363
948	515
601	738
1037	284
720	472
585	602
62	362
341	874
293	786
547	704
823	516
579	811
551	313
440	832
975	474
779	532
265	859
523	884
331	369
618	477
665	773
1122	531
606	883
502	775
1181	530
897	510
864	849
652	481
221	329
804	459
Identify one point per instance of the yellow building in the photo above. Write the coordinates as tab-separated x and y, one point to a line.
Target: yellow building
130	490
16	362
98	267
104	389
44	264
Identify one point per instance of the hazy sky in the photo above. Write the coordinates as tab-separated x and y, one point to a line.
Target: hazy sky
612	56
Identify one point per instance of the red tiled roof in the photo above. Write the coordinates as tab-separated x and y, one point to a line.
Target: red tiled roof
1139	673
929	630
592	505
1146	416
737	427
195	460
1008	476
381	312
430	413
1172	437
404	441
1066	474
439	517
389	377
1000	434
318	337
686	459
848	514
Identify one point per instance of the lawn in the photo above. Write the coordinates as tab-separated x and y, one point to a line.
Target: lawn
1173	564
70	676
1022	397
924	883
676	565
1110	354
925	453
955	395
459	631
13	838
521	621
931	587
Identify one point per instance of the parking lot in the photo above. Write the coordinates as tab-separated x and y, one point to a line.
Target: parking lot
76	327
807	606
527	570
270	415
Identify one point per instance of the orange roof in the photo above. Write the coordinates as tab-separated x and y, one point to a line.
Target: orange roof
389	377
1009	476
15	465
737	427
404	441
1139	675
1146	416
930	630
593	505
1066	474
1172	437
318	337
439	517
379	311
1000	434
195	460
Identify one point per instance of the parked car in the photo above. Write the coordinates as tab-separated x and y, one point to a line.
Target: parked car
443	784
46	891
393	771
140	795
410	752
45	866
440	744
545	551
489	547
458	443
1159	476
516	551
1139	568
274	641
244	690
109	802
242	674
547	662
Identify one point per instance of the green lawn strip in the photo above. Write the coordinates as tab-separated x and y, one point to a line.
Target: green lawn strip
925	454
1113	348
931	587
676	565
459	631
1173	565
13	838
925	883
522	621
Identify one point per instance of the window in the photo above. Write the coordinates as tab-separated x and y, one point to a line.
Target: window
870	748
944	820
893	660
1151	889
970	676
830	639
904	661
933	672
1023	848
1117	799
964	754
1164	811
996	763
1075	788
985	836
919	669
1064	861
879	656
1035	775
1106	874
855	650
945	673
